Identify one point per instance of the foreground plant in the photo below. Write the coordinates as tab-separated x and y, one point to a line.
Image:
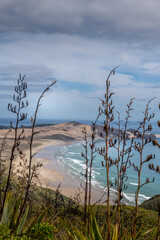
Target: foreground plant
9	219
124	155
93	234
85	156
106	109
20	104
157	170
32	169
3	159
97	233
88	170
139	146
29	171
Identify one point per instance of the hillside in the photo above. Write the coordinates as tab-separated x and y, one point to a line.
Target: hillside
152	203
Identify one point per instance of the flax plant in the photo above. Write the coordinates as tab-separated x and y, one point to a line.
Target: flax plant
106	109
157	170
18	97
124	154
32	169
93	150
2	161
88	171
139	146
85	156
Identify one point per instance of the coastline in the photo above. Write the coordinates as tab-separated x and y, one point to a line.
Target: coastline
53	173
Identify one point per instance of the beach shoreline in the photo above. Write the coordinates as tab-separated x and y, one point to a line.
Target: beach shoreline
53	173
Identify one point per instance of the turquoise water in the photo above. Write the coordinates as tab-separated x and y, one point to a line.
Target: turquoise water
70	156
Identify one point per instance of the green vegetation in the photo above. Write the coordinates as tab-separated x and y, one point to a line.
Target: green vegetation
64	218
151	204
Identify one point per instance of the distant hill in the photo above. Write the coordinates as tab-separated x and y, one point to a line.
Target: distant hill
151	204
114	133
74	123
26	126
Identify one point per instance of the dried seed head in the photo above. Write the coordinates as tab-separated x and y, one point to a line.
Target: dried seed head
150	166
124	169
149	157
154	142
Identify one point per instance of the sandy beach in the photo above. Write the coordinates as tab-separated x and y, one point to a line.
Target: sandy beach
53	173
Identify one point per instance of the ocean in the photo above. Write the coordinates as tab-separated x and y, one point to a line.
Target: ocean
70	156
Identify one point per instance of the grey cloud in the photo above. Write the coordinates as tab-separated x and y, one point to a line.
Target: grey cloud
6	88
5	96
35	75
156	86
140	99
134	19
32	88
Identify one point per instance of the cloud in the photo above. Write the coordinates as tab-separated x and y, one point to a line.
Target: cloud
36	75
77	61
150	86
74	58
132	20
80	64
151	67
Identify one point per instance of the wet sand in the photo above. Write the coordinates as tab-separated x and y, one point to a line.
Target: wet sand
54	173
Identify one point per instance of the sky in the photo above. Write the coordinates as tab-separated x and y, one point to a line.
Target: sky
77	43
